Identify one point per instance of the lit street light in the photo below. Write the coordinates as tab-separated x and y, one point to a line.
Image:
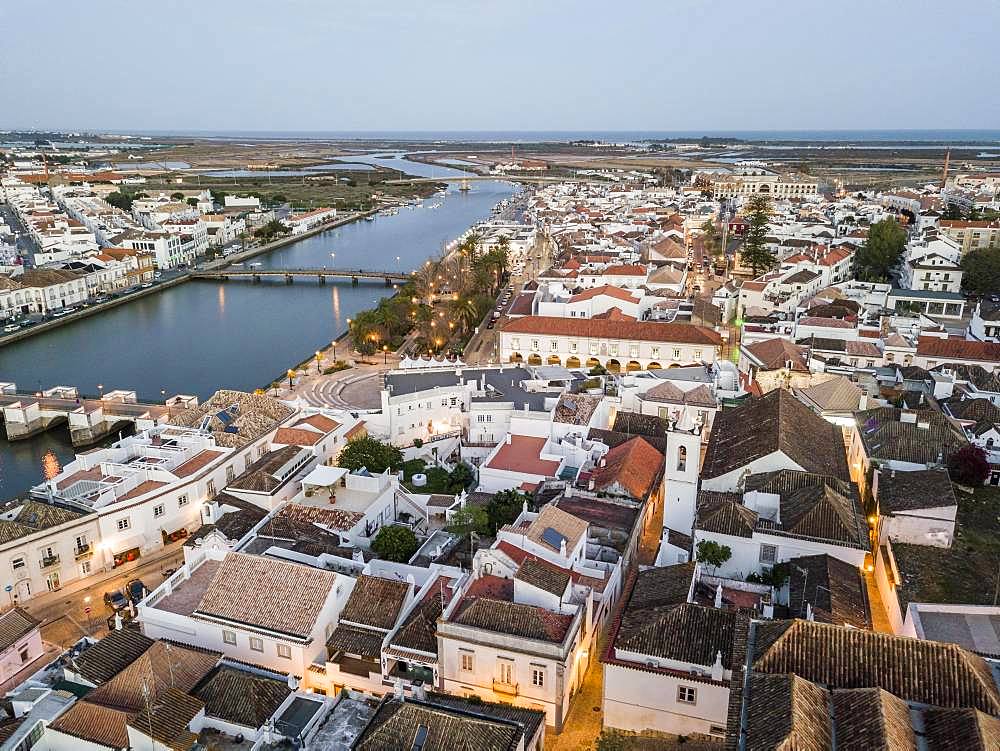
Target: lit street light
291	375
385	354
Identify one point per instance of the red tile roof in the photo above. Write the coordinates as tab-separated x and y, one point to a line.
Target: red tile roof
648	331
297	437
958	349
521	455
634	465
606	289
197	462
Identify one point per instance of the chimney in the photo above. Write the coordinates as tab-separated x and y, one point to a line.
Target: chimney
718	596
717	670
508	439
419	692
809	612
562	547
863	402
397	690
358	555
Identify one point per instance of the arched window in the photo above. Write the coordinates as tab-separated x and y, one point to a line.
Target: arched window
989	443
682	455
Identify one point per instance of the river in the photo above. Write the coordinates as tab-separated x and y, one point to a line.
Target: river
202	336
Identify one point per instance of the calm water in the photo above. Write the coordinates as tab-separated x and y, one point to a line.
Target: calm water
201	336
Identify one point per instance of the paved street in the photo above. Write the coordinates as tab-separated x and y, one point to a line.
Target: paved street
585	718
63	613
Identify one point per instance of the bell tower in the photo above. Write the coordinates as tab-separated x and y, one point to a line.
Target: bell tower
681	477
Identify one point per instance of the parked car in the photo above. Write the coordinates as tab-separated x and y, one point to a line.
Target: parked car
147	285
10	329
157	275
115	600
136	590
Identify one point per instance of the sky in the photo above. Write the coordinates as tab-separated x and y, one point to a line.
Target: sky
338	65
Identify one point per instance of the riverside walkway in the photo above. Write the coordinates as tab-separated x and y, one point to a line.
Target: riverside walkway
320	274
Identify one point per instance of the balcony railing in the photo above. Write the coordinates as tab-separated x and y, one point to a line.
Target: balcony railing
502	687
83	551
49	561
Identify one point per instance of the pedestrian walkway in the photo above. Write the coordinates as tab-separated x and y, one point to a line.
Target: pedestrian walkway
880	616
585	719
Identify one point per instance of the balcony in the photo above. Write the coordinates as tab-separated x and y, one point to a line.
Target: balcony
83	552
501	687
49	561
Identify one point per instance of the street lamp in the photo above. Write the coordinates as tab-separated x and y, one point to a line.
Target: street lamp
333	260
291	375
100	391
385	354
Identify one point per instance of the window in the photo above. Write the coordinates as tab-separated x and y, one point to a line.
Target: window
210	488
85	568
677	354
124	524
257	645
81	542
182	500
228	637
554	345
697	354
768	553
23	653
655	351
572	347
538	677
687	695
230	473
682	454
515	342
467	661
158	510
284	651
505	670
17	563
534	345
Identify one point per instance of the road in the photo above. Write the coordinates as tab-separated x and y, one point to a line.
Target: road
64	613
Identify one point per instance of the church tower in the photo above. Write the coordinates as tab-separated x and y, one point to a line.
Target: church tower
681	477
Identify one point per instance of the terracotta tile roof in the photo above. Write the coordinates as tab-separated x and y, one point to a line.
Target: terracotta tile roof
146	486
787	712
966	729
774	354
196	463
92	722
958	349
569	526
524	621
320	422
656	620
943	675
616	292
775	422
543	575
886	436
645	331
167	720
297	437
395	724
634	466
327	516
159	668
522	455
834	589
15	624
241	697
907	491
863	349
356	641
724	514
623	270
870	718
267	593
112	654
375	602
419	630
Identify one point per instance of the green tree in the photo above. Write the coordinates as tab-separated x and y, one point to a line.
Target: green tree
120	199
371	454
469	519
710	238
460	478
395	543
177	196
754	252
713	553
981	270
504	508
881	252
192	201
